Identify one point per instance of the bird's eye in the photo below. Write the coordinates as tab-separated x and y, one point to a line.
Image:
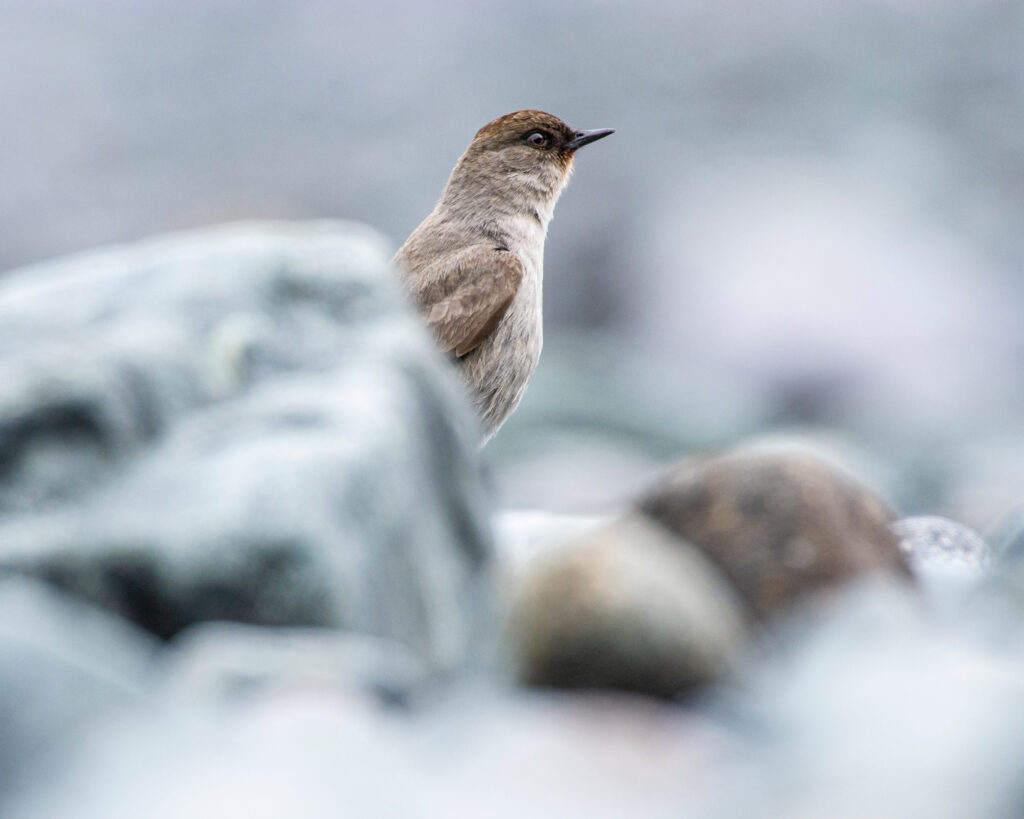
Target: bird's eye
538	139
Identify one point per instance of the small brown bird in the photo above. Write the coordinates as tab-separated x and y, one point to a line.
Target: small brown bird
474	266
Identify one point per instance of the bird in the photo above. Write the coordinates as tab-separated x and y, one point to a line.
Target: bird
474	267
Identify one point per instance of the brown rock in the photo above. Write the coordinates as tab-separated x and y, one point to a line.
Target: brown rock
781	526
625	607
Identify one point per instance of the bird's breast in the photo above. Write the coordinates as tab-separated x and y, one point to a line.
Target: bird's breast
499	369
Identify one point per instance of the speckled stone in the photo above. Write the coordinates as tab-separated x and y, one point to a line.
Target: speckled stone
782	526
930	541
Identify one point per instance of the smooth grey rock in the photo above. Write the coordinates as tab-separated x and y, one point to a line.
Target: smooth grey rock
624	606
227	662
62	667
243	423
314	757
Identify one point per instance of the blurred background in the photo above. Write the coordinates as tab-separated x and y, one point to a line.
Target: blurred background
809	220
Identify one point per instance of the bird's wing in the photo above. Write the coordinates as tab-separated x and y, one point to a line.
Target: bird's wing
465	298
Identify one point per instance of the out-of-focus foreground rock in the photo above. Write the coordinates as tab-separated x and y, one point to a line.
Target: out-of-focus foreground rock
625	606
245	424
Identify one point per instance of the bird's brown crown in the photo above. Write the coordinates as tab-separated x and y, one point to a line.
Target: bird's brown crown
519	125
544	136
522	160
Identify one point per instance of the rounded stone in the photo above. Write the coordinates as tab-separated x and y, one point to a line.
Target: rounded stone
625	607
781	526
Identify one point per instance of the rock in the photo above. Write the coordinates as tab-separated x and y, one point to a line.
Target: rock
227	662
876	707
780	526
243	423
63	666
510	756
847	455
624	607
944	554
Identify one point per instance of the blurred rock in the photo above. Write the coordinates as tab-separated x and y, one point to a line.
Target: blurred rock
62	667
624	606
848	455
243	423
476	753
944	554
876	707
226	662
780	526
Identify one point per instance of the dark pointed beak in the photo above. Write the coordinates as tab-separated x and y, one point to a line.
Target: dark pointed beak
581	138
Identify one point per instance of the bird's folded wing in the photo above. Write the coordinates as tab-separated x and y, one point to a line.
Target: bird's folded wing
466	298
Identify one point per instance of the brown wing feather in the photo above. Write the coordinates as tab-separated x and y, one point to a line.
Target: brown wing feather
464	300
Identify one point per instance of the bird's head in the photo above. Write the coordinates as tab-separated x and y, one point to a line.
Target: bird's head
529	154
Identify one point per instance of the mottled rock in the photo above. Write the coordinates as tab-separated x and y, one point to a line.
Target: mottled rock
244	423
780	526
944	554
627	607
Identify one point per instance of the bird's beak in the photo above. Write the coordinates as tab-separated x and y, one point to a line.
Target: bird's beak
581	138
